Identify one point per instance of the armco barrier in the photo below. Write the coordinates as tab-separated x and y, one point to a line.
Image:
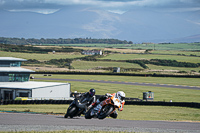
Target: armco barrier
128	102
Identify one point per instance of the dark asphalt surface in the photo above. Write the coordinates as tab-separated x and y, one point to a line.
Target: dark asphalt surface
41	122
127	83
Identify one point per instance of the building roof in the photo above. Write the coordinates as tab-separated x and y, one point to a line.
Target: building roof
11	59
28	85
15	69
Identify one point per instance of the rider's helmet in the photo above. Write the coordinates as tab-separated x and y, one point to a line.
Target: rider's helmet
120	95
92	92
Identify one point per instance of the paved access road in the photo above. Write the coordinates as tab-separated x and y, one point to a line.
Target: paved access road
40	122
127	83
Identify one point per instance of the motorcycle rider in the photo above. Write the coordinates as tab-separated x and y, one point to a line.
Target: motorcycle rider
120	95
86	99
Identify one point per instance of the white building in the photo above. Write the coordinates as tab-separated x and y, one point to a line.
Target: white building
92	52
11	71
35	90
14	82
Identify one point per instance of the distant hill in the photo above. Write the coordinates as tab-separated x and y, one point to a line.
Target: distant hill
135	25
194	38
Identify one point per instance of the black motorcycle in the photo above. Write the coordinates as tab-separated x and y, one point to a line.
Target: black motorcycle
77	107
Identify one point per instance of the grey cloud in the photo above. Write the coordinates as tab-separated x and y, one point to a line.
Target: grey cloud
106	3
39	6
110	5
21	4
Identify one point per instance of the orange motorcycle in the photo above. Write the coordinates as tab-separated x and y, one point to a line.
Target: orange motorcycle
104	109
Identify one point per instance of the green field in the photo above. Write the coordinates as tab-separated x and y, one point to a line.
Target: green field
94	64
176	46
97	65
188	69
188	53
40	57
150	56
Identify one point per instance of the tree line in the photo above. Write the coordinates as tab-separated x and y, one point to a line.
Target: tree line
31	49
23	41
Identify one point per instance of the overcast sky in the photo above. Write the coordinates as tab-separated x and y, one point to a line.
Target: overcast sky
117	6
122	19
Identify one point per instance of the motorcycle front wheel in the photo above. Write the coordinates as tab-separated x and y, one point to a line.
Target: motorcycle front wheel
71	112
105	111
66	115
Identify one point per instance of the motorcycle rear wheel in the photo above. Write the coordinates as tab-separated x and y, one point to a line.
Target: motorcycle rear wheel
105	111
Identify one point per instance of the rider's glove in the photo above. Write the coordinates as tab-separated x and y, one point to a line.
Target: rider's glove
108	95
120	109
97	102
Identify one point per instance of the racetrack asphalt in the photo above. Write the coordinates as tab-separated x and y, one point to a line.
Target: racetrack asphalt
41	122
126	83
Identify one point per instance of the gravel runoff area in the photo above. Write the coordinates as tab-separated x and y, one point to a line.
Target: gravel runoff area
39	122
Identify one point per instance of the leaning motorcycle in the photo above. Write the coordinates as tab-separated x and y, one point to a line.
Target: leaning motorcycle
77	107
103	109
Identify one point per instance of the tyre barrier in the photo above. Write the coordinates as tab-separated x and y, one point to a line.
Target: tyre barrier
179	104
37	102
128	102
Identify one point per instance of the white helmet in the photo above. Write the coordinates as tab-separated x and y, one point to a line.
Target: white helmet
120	95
